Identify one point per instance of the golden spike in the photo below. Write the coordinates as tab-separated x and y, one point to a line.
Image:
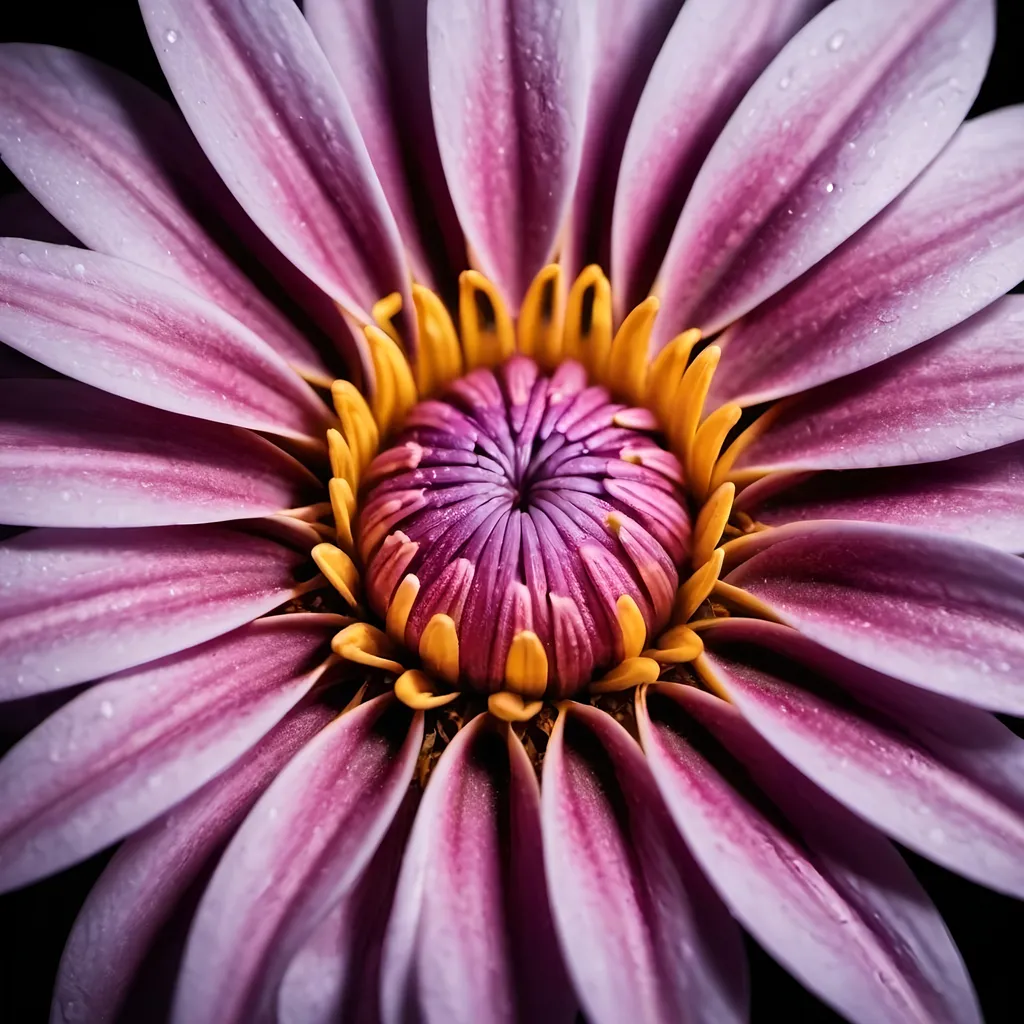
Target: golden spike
588	325
439	356
510	707
439	648
711	521
631	625
696	590
488	338
526	667
627	674
627	363
418	691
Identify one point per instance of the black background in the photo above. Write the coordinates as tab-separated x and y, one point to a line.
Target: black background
988	928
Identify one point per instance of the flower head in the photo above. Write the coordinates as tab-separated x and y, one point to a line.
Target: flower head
534	489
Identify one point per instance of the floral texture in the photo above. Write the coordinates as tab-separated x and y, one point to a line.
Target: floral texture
504	493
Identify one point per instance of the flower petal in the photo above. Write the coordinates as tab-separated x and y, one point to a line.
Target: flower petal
152	871
876	769
122	752
950	245
119	168
941	613
74	456
961	392
824	893
471	938
140	335
260	97
302	848
79	604
508	83
378	52
976	497
335	976
643	936
712	55
783	186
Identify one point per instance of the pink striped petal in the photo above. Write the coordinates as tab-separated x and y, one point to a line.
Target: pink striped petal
824	893
643	936
938	612
260	97
119	168
962	392
79	604
711	57
378	52
153	870
470	938
877	770
841	122
629	38
303	847
976	497
140	335
74	456
508	83
949	246
126	750
336	975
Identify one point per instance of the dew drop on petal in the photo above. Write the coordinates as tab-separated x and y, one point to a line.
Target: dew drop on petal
171	36
837	40
107	709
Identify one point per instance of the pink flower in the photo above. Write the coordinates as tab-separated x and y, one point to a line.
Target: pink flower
639	583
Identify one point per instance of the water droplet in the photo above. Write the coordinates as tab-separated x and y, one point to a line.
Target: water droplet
107	709
79	269
23	257
171	36
830	187
786	82
837	40
887	316
278	59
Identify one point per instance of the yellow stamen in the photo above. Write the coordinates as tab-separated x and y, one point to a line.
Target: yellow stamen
366	645
339	570
384	312
740	600
723	468
664	374
713	683
526	667
707	445
628	673
588	322
688	402
697	589
627	364
401	607
632	625
439	356
343	503
540	328
395	391
488	338
677	645
358	426
418	691
711	520
343	463
439	648
510	707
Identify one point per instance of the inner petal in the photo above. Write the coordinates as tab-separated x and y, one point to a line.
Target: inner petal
523	531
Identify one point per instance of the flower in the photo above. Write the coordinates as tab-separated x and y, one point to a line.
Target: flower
597	612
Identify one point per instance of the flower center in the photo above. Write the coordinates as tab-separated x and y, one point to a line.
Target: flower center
523	531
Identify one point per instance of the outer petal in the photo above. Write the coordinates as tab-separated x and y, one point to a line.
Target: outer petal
844	119
509	81
470	938
142	336
878	771
962	392
976	497
643	937
124	751
378	52
335	976
836	905
74	456
302	848
117	166
151	872
261	99
943	614
950	245
711	57
77	605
